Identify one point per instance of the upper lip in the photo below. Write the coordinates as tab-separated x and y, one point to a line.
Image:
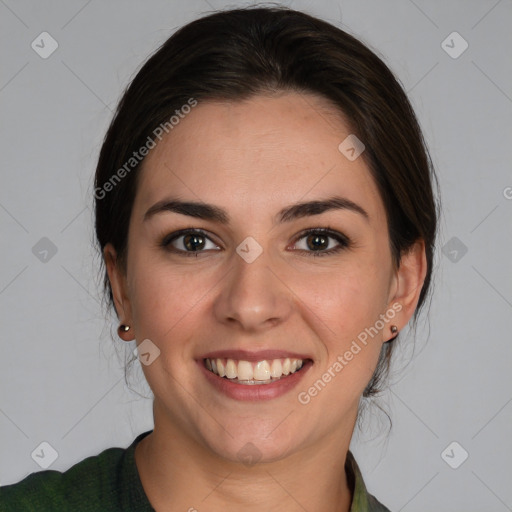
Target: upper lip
246	355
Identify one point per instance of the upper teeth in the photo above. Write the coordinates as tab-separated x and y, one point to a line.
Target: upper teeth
245	370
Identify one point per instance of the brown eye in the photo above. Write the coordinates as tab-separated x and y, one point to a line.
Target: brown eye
188	242
322	242
317	242
193	242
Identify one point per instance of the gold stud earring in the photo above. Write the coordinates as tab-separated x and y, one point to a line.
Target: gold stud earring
394	331
122	328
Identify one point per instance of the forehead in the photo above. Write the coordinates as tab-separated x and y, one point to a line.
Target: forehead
282	147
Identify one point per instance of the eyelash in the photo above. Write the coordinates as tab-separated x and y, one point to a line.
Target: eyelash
344	241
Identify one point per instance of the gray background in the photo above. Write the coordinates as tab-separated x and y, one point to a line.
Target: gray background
61	375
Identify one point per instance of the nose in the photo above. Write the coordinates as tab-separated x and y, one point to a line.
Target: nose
253	296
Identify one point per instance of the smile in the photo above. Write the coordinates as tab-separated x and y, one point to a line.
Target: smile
253	373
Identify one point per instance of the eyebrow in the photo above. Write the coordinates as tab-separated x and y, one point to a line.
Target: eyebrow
213	213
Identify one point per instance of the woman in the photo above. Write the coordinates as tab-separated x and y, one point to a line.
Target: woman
265	210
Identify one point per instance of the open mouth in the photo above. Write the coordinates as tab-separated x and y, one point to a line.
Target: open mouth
254	373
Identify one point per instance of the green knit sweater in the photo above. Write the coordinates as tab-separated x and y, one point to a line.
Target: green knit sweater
110	482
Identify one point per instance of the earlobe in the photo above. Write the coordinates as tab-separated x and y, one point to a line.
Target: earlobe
118	285
410	277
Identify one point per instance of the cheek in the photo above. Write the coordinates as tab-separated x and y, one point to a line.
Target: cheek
163	300
348	299
346	307
166	309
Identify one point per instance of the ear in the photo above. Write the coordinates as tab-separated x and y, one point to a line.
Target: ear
117	280
408	282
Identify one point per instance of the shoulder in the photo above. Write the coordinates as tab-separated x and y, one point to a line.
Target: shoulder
89	479
374	505
96	483
362	500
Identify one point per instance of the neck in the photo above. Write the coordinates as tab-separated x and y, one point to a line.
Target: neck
180	474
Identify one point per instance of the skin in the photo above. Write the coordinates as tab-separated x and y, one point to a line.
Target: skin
252	159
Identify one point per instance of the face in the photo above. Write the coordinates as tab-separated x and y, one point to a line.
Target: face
255	277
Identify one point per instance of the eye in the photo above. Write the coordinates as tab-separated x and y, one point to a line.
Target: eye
188	242
317	242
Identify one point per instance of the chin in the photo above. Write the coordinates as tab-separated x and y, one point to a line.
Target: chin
252	445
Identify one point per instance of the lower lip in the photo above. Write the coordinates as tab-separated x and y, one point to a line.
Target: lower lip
255	392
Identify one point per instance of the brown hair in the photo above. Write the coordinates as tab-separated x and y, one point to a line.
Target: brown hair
235	54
